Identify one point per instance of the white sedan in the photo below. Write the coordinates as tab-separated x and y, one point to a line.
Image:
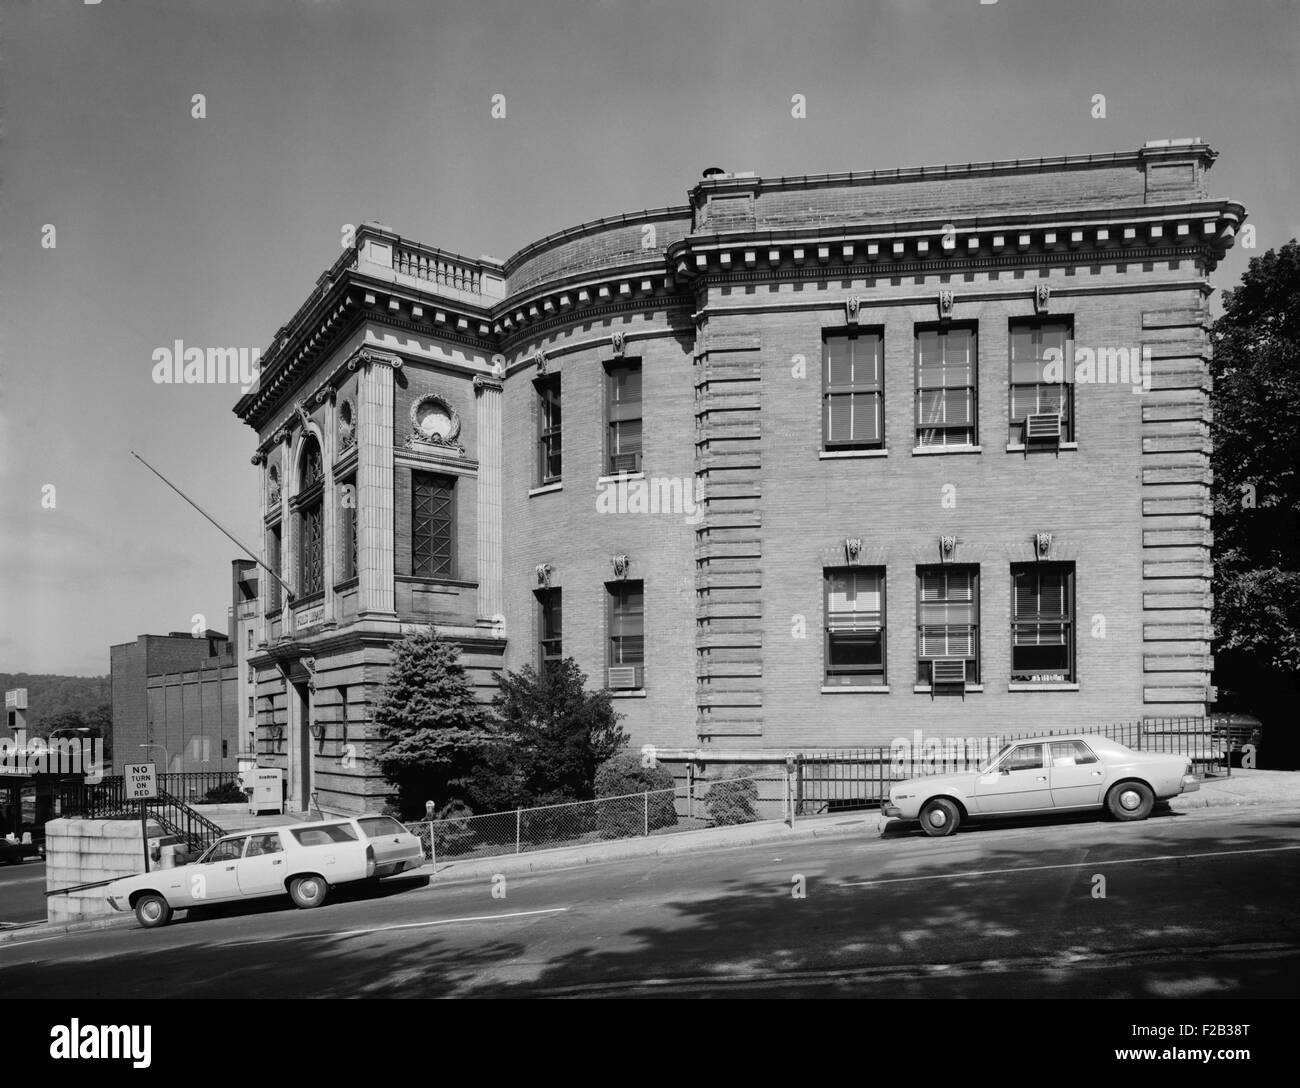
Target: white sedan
305	860
1045	774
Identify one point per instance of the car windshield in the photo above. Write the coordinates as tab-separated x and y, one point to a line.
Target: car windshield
988	766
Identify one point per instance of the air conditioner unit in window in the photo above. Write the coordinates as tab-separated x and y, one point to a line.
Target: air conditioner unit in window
624	462
1043	427
948	670
624	677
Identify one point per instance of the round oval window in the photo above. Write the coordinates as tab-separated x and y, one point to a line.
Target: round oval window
434	421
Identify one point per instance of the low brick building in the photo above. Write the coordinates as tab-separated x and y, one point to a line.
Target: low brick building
804	462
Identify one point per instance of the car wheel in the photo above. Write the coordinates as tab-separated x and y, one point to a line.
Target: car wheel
152	910
1130	801
940	817
308	891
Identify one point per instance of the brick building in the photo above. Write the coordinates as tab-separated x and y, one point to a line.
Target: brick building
183	701
804	462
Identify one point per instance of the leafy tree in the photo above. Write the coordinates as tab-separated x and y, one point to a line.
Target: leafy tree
100	721
437	734
51	695
560	731
1256	459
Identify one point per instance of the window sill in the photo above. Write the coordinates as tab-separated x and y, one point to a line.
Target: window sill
926	689
620	476
346	584
835	455
436	580
639	693
1042	687
858	689
1019	447
545	489
931	451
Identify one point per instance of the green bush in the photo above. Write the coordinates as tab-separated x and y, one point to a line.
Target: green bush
618	816
731	799
453	830
225	794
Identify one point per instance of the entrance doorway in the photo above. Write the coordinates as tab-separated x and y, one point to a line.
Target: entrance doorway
300	785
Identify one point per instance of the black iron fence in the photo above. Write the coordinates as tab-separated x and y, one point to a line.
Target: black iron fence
195	786
108	795
107	799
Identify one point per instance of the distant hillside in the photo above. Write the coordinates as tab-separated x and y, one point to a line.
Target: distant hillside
49	695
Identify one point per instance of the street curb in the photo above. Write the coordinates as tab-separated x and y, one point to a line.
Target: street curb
45	930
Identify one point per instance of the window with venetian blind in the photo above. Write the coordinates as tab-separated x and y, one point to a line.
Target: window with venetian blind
347	529
548	429
946	387
947	619
1042	623
273	559
853	390
855	626
1034	346
626	634
623	416
550	626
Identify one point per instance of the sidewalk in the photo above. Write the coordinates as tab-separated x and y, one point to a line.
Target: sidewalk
1244	787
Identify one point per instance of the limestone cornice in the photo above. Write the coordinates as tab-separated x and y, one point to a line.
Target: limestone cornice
355	299
1202	228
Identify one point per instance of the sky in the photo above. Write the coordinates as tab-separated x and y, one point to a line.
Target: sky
212	230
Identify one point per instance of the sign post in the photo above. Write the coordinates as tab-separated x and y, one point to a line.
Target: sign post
142	786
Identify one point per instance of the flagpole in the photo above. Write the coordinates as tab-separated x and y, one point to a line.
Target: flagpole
290	595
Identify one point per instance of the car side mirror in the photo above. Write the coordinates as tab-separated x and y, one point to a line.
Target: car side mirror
1004	769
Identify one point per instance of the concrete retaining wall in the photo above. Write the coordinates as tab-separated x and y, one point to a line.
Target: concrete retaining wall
80	851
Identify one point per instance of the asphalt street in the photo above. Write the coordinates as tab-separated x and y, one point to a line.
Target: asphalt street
1204	903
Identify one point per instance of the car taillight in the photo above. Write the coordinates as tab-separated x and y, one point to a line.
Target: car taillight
370	861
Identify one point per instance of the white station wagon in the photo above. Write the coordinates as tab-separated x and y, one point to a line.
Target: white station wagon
1045	774
305	860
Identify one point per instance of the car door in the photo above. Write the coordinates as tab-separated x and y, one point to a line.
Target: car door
1077	775
216	878
262	868
1019	783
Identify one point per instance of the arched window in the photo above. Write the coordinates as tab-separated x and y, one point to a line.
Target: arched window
311	520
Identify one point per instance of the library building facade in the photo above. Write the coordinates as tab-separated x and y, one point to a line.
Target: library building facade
803	463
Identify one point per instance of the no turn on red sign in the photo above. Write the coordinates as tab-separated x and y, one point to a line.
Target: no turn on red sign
141	782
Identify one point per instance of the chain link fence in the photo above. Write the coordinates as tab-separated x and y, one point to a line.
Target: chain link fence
702	804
